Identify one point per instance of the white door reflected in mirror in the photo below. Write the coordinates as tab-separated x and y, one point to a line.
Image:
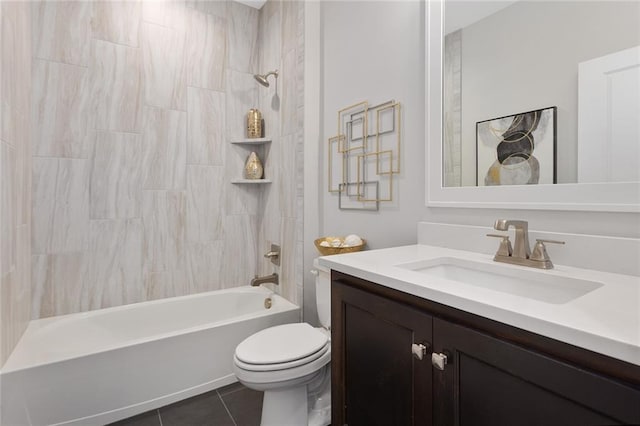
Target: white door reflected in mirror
609	118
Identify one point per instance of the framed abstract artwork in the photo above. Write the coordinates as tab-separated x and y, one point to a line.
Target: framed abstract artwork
517	149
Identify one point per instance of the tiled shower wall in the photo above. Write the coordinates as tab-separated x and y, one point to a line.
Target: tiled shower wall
15	174
281	47
134	105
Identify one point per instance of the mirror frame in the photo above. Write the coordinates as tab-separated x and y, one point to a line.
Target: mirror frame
603	197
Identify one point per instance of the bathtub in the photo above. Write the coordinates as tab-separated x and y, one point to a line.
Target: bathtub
101	366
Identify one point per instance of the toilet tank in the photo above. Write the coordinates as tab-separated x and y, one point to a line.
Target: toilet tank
323	293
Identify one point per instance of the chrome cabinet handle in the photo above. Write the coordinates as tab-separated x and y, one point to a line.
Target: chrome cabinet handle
418	350
439	361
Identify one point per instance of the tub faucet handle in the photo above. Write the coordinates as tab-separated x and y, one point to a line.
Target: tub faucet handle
274	254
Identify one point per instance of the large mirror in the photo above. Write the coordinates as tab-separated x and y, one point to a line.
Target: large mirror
534	104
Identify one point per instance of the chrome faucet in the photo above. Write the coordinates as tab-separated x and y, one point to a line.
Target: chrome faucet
520	254
273	278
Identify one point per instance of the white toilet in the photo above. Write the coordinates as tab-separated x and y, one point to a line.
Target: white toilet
290	363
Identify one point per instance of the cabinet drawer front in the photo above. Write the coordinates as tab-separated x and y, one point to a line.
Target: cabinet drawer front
492	382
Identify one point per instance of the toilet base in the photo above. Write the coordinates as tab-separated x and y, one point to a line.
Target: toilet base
308	404
286	407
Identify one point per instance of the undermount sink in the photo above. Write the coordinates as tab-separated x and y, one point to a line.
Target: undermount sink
519	281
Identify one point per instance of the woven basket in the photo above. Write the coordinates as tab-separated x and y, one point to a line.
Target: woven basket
325	251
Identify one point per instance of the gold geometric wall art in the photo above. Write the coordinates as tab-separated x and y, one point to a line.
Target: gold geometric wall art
364	155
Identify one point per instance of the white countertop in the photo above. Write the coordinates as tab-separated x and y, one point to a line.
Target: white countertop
605	320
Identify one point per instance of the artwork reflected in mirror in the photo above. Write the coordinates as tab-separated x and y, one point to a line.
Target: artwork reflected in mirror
504	58
518	149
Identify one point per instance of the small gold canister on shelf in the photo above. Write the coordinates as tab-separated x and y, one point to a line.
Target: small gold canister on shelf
253	168
254	123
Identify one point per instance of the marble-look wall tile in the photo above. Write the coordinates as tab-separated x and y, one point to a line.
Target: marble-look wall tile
281	46
288	259
216	8
61	31
7	281
289	106
20	291
168	13
114	272
269	35
163	51
15	76
117	21
116	184
8	203
60	205
116	86
288	179
205	195
240	244
60	109
206	139
159	285
164	147
204	263
242	95
206	50
24	175
269	47
289	25
58	284
15	173
243	38
163	221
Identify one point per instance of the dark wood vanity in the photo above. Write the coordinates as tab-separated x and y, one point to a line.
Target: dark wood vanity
495	374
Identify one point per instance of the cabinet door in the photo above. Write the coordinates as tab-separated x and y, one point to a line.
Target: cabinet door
377	379
488	381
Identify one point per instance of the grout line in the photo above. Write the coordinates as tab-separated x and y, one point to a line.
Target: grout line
226	408
159	416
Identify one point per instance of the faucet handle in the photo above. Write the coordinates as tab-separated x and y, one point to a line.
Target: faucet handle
540	251
274	254
541	240
505	248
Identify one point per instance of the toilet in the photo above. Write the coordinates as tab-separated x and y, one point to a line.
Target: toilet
290	363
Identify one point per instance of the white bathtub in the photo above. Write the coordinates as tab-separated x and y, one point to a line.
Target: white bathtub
101	366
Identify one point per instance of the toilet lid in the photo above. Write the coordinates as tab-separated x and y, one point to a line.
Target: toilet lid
280	344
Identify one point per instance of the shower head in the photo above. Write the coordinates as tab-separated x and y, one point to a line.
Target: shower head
262	79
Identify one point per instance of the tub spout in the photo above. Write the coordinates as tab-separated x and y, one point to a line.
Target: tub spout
273	278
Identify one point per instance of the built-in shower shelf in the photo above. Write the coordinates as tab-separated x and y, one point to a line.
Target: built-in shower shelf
254	141
250	181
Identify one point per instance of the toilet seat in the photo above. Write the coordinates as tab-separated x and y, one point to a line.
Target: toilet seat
270	379
281	345
281	366
281	353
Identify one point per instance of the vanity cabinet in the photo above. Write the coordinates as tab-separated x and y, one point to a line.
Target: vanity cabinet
494	374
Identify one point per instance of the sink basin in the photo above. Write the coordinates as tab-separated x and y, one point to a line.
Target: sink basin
529	283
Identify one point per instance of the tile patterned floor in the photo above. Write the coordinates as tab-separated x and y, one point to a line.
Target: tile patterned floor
232	405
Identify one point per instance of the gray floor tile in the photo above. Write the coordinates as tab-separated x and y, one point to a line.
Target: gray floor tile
245	406
150	418
233	387
202	410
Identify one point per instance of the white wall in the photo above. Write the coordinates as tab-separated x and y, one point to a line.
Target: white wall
375	51
372	51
